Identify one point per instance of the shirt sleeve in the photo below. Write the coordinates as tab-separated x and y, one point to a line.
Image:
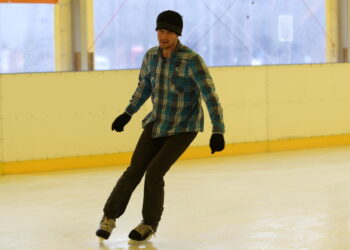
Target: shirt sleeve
143	90
200	74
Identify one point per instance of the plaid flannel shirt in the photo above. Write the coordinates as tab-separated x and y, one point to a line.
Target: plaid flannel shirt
176	85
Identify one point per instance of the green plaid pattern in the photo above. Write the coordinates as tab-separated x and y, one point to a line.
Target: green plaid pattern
176	86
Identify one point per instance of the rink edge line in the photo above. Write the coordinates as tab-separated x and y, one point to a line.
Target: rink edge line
196	152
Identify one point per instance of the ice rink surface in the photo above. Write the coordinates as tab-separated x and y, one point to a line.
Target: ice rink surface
275	201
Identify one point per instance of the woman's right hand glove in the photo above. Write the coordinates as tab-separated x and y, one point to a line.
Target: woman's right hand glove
120	122
217	143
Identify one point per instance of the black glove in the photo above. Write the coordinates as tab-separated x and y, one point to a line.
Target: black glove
217	143
120	122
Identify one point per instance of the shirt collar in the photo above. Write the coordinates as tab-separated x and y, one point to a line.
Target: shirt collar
173	54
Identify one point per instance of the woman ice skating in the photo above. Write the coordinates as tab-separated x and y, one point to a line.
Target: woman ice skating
175	77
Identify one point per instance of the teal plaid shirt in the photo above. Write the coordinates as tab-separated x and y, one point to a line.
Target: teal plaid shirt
176	85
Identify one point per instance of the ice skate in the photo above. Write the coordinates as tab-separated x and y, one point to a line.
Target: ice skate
141	233
105	229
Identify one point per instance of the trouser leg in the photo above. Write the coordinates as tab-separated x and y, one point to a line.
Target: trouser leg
171	149
147	147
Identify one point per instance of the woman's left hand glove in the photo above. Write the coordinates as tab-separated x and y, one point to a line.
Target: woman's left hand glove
217	143
120	122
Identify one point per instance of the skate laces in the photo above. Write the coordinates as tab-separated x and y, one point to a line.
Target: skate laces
144	229
107	224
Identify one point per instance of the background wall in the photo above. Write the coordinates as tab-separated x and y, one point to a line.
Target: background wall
68	114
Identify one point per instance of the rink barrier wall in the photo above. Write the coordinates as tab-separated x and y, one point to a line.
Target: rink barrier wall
61	120
123	159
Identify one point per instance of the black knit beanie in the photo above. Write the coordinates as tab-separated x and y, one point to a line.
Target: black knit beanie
170	20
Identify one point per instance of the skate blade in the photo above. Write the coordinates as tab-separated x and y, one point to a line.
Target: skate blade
140	242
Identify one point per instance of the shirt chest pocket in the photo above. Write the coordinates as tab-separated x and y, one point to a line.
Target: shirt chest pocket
152	78
179	80
177	83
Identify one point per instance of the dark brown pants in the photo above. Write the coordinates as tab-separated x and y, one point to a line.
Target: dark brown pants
154	156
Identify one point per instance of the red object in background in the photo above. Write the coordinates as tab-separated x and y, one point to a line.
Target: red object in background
28	1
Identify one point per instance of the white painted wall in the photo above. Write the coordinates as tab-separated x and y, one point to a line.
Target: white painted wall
55	115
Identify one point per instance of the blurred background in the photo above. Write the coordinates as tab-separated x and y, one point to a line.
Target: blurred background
224	32
69	67
281	70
